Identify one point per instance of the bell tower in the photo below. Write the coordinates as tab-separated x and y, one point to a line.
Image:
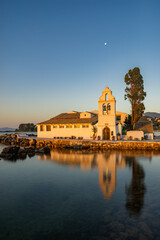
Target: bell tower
107	115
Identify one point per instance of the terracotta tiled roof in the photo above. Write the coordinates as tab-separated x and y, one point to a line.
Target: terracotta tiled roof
69	118
144	125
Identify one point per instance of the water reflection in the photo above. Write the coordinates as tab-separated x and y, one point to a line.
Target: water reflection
61	196
136	190
108	164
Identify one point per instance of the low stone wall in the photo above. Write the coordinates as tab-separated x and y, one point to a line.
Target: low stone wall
116	145
13	139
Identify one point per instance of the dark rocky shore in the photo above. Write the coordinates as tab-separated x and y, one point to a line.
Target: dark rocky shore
21	147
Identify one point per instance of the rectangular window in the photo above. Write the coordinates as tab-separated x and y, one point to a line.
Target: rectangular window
61	126
85	126
69	126
77	126
54	126
41	128
48	128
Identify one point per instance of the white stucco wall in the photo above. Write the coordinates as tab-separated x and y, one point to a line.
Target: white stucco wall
85	115
122	115
86	133
135	134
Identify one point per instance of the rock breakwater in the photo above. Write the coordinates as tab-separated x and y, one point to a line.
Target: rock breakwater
20	147
14	139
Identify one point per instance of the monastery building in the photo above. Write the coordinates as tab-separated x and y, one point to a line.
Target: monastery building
81	125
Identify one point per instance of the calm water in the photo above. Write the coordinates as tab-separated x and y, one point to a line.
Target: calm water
70	195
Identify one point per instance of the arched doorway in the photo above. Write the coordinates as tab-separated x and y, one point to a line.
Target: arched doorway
106	133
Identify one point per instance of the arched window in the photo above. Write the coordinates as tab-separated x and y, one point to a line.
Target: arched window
104	109
108	106
106	97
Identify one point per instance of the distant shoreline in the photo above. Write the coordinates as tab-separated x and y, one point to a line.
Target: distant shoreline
18	131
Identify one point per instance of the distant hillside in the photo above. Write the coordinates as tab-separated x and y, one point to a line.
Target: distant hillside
152	114
6	129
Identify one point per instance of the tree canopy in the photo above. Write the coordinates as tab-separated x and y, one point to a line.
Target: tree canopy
135	93
27	127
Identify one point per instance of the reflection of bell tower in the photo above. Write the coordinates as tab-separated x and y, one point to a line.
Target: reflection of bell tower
107	173
107	115
108	164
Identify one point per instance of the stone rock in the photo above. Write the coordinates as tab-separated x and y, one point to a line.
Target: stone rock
33	142
39	150
31	150
42	150
11	150
21	153
31	154
13	153
46	150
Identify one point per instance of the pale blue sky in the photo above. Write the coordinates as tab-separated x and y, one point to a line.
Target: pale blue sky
53	58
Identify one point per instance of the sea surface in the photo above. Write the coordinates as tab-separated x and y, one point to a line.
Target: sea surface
75	195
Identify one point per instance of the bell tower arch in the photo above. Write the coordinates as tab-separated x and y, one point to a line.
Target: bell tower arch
107	114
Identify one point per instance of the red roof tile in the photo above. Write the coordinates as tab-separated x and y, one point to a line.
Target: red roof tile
70	118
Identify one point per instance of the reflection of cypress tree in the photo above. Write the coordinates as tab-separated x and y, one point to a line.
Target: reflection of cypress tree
136	190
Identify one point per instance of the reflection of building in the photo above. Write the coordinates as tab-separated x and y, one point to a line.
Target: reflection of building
79	124
107	173
107	164
85	161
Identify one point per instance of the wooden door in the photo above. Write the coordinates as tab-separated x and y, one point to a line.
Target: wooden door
106	133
